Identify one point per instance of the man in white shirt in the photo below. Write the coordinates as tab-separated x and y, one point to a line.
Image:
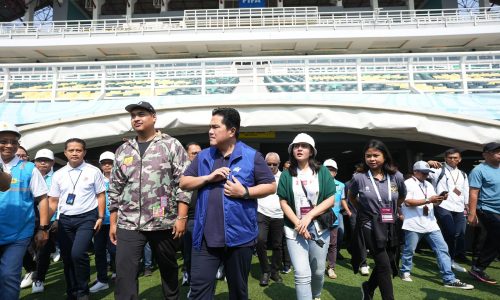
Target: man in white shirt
270	221
420	222
17	211
77	190
450	214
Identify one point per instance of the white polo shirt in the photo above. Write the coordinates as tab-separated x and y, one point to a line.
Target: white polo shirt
85	181
414	219
452	178
37	183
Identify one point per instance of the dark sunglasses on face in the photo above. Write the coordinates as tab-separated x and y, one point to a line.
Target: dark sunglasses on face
272	165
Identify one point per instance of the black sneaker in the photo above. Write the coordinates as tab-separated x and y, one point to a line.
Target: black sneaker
482	276
457	284
365	292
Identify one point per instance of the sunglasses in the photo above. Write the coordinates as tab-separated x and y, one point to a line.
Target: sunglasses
272	165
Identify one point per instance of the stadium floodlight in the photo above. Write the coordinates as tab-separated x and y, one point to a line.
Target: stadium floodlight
157	3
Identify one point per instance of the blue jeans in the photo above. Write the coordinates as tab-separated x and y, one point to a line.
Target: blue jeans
452	225
309	261
436	241
148	257
11	262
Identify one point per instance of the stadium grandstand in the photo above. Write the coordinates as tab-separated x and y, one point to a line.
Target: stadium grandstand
422	75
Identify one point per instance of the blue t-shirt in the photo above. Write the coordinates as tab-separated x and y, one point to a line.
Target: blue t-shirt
339	195
487	179
214	233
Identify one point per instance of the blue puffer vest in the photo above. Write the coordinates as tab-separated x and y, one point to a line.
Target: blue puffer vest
240	215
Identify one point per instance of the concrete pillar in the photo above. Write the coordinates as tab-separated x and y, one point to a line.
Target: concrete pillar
374	4
60	10
484	3
221	4
411	4
96	9
280	3
130	8
164	6
29	14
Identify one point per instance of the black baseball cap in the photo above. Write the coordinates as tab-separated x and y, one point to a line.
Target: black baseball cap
490	147
143	104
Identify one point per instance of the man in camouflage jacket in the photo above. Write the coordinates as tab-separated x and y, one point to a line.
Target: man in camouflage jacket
146	203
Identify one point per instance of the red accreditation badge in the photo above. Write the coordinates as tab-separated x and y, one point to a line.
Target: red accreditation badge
457	191
386	215
304	210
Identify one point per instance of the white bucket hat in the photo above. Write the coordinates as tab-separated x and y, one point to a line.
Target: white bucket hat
303	138
330	163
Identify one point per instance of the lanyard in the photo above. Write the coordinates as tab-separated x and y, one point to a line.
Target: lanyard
420	186
74	183
455	180
376	187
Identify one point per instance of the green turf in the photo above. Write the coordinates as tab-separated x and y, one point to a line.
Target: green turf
426	284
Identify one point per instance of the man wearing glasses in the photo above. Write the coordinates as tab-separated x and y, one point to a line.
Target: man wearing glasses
17	211
270	221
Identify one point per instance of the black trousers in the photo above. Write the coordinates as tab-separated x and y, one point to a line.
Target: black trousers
491	247
381	275
129	247
74	235
274	228
237	261
43	257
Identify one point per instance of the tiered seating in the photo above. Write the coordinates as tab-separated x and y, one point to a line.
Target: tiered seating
438	82
483	80
78	90
31	91
279	83
333	83
228	85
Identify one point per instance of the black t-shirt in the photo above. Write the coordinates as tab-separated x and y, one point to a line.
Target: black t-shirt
143	146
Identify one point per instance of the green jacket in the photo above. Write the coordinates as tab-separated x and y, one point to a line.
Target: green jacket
285	189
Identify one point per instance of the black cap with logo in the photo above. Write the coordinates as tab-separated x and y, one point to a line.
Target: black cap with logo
143	104
491	147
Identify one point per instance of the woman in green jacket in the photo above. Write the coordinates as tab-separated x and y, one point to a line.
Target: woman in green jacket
306	190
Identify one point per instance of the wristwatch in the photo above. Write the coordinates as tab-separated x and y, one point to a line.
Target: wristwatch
246	195
44	227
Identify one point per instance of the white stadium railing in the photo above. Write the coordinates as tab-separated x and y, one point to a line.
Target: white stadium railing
276	18
433	73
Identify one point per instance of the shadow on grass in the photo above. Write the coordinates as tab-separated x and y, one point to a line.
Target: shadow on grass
431	294
340	291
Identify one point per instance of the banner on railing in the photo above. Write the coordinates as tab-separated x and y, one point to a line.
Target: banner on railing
252	3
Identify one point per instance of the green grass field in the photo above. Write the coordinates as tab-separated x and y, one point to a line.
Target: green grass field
426	284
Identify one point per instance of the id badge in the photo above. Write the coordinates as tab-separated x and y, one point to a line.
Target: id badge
457	191
304	210
158	211
386	215
71	199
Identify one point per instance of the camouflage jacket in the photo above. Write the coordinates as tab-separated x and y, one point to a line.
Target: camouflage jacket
145	191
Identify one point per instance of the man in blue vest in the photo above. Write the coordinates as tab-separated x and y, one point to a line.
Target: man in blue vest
17	211
229	177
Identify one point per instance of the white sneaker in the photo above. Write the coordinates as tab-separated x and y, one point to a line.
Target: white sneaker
365	270
457	284
37	287
99	286
185	279
27	280
331	273
458	267
56	256
406	277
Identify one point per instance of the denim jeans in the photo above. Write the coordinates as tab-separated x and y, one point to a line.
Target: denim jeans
11	261
452	225
308	260
148	257
436	241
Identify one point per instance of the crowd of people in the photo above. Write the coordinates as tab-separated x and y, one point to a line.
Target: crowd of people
221	205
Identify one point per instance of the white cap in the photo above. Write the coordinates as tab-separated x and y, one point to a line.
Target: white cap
8	127
422	166
44	153
107	155
330	163
303	138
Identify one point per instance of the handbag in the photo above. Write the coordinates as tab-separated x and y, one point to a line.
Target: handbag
326	219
